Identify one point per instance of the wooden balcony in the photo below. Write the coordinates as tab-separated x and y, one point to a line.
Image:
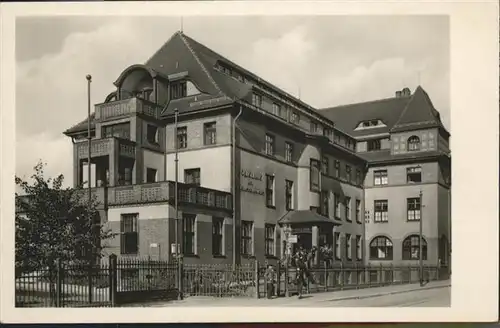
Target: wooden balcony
126	107
103	147
164	192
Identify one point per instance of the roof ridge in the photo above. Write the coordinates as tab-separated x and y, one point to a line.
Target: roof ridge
364	102
160	48
203	68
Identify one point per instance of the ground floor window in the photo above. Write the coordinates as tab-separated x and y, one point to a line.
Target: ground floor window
411	248
381	248
269	236
246	237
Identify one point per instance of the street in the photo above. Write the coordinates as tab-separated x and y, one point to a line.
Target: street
439	297
435	294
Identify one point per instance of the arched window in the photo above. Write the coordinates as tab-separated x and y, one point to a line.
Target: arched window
413	143
381	248
411	248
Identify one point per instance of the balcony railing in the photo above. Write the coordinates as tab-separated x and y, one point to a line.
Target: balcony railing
103	147
164	192
126	107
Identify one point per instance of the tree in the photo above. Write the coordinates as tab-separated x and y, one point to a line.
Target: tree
54	223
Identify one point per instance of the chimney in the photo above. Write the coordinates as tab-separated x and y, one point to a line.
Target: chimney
406	92
398	94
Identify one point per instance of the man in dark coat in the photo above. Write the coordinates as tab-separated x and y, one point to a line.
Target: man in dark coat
270	277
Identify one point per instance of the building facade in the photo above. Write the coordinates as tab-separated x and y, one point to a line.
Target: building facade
253	162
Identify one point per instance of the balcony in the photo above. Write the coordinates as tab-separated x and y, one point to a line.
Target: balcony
164	192
126	107
103	147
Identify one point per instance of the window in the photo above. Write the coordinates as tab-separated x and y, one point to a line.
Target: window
314	127
336	237
411	248
294	117
269	235
210	132
192	176
337	169
152	134
348	173
256	100
337	205
189	232
269	144
269	190
217	236
325	166
314	175
121	130
358	211
246	237
325	202
413	209
348	208
381	248
276	109
359	182
150	175
129	242
359	248
381	211
182	137
413	143
348	246
178	90
289	195
288	152
373	145
414	175
380	177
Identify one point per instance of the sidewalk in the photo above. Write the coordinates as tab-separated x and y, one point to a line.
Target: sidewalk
311	299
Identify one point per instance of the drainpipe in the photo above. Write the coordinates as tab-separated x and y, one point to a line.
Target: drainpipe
233	178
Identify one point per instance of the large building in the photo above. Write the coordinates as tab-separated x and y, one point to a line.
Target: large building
254	160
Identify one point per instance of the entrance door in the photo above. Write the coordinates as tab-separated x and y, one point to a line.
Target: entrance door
303	240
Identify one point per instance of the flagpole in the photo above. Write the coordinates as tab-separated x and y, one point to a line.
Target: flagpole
176	205
89	140
420	243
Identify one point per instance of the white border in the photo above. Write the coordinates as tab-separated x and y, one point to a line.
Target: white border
474	117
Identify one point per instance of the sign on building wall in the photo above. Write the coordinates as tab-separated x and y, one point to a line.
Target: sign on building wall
251	182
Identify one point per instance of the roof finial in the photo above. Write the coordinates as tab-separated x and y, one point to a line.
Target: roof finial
182	24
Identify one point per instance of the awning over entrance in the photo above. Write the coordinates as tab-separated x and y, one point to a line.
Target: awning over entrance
305	216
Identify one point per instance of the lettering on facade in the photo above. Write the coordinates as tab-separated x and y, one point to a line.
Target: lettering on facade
301	230
248	185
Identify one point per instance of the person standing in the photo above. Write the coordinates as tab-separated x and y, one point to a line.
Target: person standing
269	277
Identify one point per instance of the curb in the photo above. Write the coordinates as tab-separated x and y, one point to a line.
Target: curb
385	294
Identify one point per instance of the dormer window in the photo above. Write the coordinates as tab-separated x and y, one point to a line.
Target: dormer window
256	100
370	124
178	89
413	143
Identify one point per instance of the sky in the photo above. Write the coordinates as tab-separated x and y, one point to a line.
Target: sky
332	60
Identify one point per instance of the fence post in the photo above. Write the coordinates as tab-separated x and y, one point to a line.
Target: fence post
326	276
113	279
89	274
257	279
278	280
59	278
341	274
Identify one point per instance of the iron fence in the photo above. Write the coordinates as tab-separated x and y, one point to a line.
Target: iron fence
136	280
338	277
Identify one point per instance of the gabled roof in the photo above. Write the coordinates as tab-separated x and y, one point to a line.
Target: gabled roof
418	113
